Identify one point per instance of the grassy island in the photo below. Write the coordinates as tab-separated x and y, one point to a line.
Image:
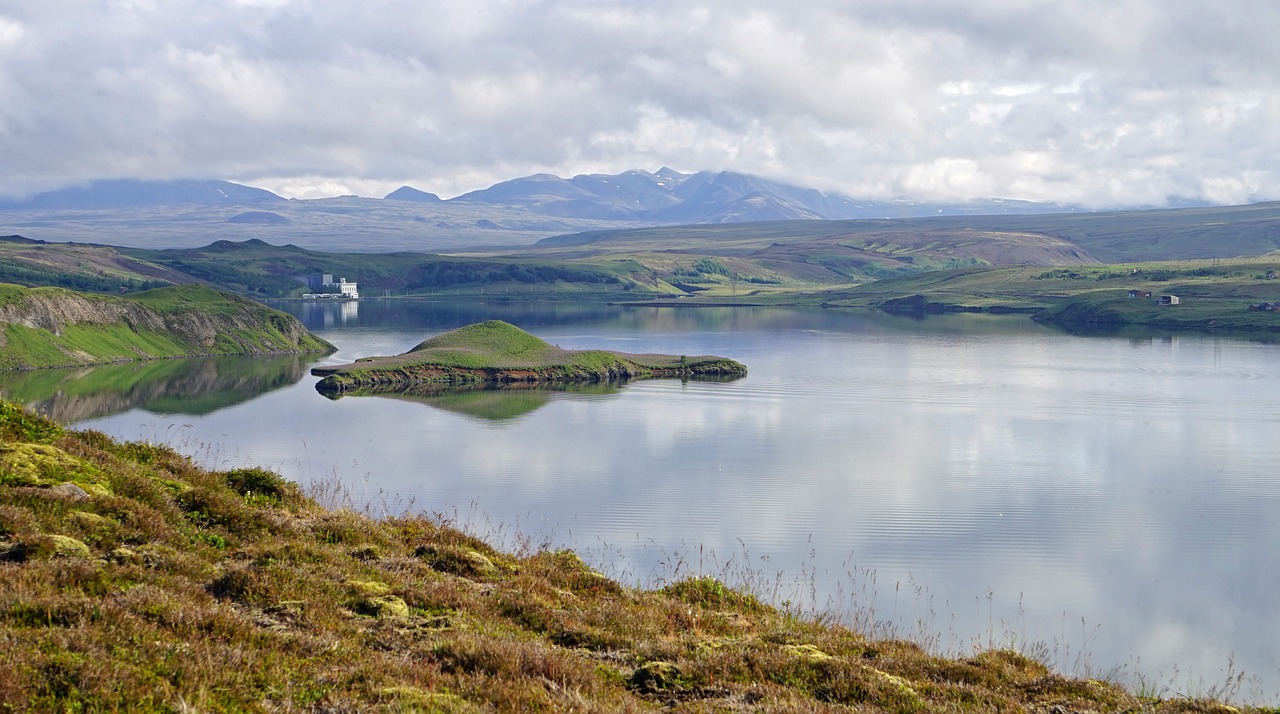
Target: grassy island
56	327
132	580
496	351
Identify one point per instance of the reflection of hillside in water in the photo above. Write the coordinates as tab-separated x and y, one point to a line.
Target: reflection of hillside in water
177	386
430	316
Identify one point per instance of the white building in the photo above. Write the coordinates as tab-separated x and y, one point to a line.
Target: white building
325	283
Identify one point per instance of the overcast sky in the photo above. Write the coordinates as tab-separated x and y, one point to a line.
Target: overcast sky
1099	102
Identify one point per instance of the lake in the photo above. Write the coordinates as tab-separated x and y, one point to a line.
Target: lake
1109	502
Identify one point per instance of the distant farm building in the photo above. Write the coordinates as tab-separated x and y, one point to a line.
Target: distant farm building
1170	300
1263	307
1140	294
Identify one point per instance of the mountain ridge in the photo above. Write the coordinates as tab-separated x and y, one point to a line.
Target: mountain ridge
508	214
663	197
138	193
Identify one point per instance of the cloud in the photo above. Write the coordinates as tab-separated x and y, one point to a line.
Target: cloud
1104	103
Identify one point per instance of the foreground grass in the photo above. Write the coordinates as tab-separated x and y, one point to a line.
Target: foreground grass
132	580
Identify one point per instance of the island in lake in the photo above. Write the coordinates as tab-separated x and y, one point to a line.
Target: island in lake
499	352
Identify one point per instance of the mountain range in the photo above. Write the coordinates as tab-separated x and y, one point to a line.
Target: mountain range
670	197
187	213
664	197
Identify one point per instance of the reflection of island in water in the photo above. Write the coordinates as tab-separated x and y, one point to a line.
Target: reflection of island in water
499	402
172	386
491	401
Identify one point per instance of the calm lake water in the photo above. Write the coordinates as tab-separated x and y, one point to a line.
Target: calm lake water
965	480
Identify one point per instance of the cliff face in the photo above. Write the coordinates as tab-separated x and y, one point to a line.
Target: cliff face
51	327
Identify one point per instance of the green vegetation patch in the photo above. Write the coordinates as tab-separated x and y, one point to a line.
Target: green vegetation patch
45	465
1203	312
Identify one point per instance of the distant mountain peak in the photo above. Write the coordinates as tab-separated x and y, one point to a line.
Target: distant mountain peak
408	193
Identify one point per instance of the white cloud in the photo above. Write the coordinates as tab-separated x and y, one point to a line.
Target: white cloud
10	32
1117	102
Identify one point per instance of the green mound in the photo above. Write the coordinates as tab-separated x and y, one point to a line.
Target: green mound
497	351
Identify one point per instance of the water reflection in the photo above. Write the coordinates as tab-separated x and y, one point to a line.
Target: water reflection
500	402
324	314
174	386
1140	333
489	402
431	316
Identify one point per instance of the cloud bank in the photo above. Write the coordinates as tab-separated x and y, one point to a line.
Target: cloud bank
1115	103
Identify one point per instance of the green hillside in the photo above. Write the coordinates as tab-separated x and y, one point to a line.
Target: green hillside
1110	236
780	258
53	327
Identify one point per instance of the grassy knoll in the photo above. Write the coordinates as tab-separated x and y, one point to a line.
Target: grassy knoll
132	580
496	351
53	327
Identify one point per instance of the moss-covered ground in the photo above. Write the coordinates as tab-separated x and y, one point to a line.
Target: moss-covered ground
132	580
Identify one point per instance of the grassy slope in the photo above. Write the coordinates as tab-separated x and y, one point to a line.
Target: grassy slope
132	580
498	346
255	267
79	267
1216	293
245	327
771	257
1112	236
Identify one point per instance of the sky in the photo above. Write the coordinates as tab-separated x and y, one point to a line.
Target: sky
1100	103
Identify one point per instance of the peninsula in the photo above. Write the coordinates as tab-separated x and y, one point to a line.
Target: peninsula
499	352
55	327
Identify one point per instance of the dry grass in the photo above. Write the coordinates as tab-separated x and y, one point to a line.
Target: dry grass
133	580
